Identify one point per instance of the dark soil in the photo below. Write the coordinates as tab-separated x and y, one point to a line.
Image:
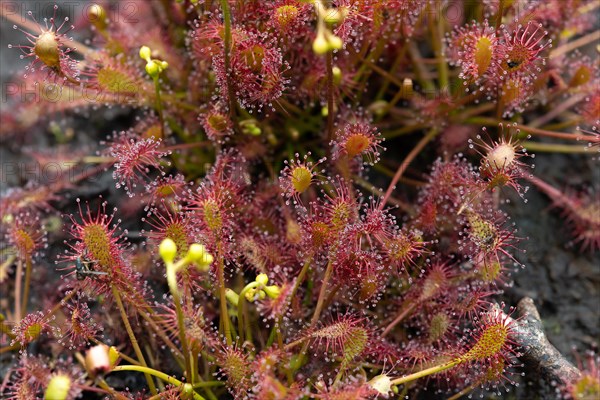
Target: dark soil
563	281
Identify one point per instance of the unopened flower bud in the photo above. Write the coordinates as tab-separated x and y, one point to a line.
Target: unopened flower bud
337	75
97	359
153	69
263	279
335	42
145	53
407	88
254	294
167	250
232	297
320	44
250	295
272	291
58	387
250	127
197	253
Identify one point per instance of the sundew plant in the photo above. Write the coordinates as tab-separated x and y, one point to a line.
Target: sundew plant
289	199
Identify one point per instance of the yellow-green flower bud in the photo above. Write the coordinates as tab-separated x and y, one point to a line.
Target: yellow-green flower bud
152	68
320	45
167	250
197	253
250	295
337	75
253	294
250	127
335	42
272	291
145	53
58	387
232	297
263	279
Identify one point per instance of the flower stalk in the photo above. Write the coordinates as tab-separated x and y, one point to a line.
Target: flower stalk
196	254
132	338
162	376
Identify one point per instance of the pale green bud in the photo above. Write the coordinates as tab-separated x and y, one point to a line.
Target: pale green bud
263	279
335	42
145	53
250	294
272	291
167	250
232	297
320	45
337	75
250	127
197	253
152	68
58	388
